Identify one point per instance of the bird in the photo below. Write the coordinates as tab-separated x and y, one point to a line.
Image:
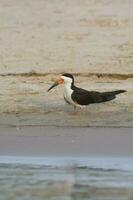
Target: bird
79	97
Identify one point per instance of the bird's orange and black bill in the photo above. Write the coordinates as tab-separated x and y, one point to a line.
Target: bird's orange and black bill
60	81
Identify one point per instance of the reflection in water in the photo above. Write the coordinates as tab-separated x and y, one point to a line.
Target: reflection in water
65	178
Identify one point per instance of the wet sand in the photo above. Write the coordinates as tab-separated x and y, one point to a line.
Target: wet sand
24	100
55	141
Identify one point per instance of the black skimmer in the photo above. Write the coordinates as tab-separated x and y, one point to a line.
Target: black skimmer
79	97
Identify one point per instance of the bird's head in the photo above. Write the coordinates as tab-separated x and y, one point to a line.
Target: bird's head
65	78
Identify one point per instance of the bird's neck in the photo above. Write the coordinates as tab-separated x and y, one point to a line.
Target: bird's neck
68	87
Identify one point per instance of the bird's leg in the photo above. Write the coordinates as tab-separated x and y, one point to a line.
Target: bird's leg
75	112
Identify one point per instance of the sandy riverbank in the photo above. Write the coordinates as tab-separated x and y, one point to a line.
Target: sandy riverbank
24	100
78	36
41	39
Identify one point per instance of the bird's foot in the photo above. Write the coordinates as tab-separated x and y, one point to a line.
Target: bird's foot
76	113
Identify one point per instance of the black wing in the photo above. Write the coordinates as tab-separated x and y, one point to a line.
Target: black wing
84	97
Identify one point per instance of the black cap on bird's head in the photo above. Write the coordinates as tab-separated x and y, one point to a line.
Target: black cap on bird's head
64	77
68	75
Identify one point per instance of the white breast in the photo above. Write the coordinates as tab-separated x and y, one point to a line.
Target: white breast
67	94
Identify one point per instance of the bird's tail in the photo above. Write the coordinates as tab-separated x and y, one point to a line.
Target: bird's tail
108	96
115	92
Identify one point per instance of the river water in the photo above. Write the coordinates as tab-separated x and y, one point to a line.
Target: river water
66	178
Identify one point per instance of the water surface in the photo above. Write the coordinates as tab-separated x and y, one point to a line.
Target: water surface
64	178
